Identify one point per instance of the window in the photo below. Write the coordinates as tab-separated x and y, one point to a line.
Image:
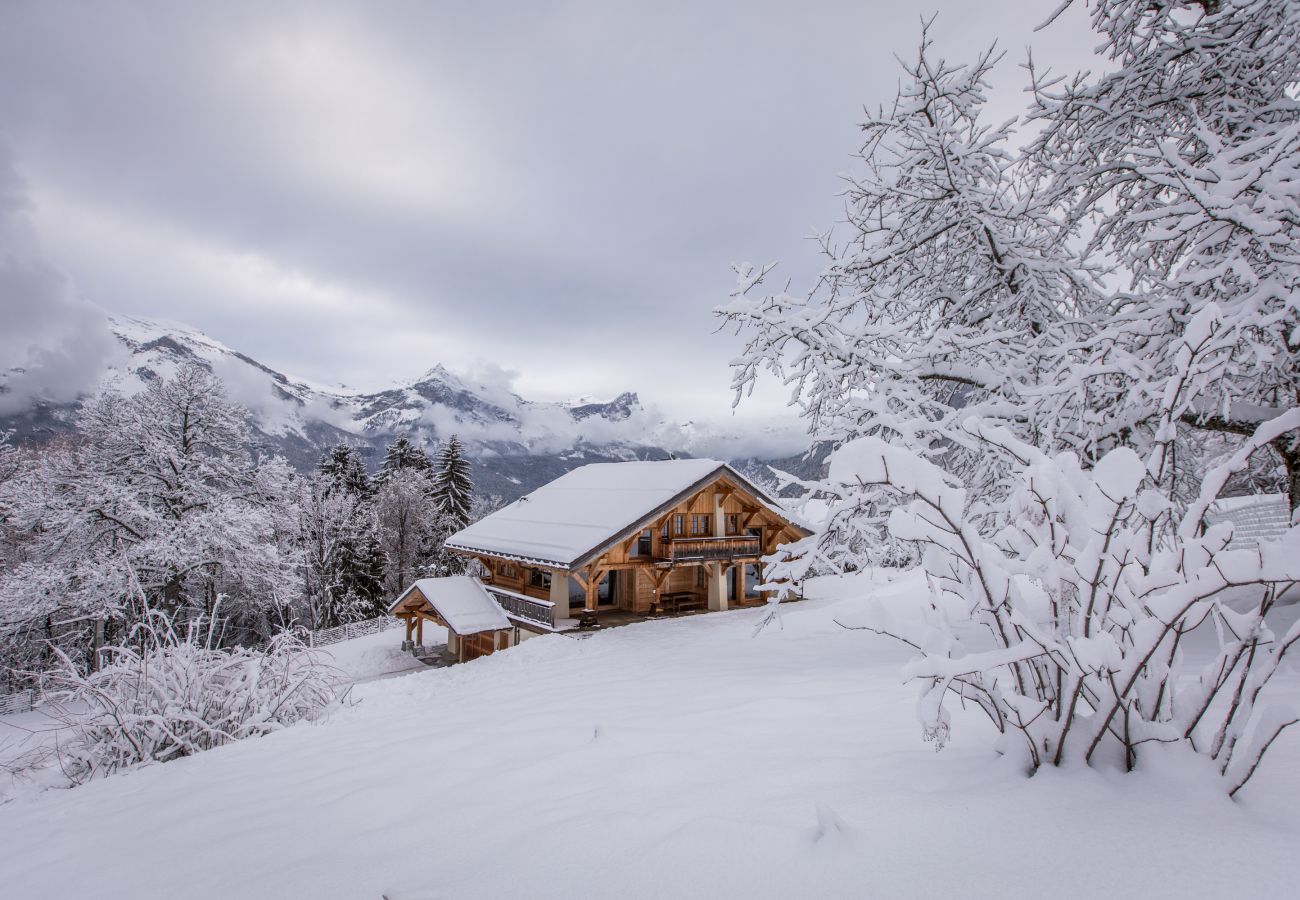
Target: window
643	543
507	570
700	525
679	524
733	524
539	578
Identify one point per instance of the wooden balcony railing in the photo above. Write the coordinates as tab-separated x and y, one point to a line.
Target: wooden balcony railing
520	606
682	549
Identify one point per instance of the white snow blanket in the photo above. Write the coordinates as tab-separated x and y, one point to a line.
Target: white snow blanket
462	601
674	758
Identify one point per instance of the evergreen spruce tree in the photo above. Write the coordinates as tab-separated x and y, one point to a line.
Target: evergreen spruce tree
402	454
453	488
343	467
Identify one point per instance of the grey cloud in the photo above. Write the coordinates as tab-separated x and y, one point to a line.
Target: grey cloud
518	183
53	346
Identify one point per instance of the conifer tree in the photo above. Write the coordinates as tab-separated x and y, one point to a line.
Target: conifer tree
342	466
453	488
403	454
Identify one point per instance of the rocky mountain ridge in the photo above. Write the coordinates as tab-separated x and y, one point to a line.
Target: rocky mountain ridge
516	444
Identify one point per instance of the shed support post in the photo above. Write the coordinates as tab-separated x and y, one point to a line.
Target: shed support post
559	595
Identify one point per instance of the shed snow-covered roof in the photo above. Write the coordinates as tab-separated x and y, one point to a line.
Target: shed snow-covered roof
461	601
565	520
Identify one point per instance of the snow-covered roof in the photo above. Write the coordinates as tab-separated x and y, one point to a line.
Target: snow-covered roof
1254	518
462	602
562	522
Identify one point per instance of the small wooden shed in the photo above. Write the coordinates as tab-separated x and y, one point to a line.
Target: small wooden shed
475	623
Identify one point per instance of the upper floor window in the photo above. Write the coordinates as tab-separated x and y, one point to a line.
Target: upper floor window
644	543
679	524
733	524
539	578
701	525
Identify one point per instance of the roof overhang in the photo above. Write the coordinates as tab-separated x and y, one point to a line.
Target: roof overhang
510	557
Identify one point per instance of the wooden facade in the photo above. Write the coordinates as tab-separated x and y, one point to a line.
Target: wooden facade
703	551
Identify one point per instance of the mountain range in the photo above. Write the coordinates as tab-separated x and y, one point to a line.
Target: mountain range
516	444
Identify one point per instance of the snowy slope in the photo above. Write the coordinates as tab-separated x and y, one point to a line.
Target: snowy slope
681	758
517	444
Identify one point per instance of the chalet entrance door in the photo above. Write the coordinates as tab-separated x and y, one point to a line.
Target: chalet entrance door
607	590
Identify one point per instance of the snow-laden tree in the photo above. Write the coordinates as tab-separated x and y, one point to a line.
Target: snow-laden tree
10	466
330	521
954	295
453	487
1183	165
402	454
157	501
408	526
453	496
342	562
343	466
1012	347
8	457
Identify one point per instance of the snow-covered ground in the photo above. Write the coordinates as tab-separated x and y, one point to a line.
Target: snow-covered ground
674	758
377	655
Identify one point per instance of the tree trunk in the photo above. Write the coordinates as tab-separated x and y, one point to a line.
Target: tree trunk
1288	448
97	645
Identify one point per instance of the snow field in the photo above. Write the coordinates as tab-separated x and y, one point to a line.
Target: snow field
677	758
377	655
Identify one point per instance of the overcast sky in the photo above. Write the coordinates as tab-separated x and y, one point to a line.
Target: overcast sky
356	192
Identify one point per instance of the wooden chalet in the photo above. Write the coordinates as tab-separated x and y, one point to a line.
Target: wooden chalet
609	542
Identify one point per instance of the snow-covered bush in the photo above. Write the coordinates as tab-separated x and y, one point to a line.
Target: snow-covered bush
169	695
1065	626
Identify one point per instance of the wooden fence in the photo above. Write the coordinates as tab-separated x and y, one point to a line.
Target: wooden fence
327	636
19	702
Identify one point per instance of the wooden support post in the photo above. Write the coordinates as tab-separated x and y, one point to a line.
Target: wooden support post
592	585
419	632
559	594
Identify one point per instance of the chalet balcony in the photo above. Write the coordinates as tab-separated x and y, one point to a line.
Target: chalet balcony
522	607
710	548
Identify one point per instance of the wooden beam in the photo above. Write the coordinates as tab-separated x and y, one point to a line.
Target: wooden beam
593	584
